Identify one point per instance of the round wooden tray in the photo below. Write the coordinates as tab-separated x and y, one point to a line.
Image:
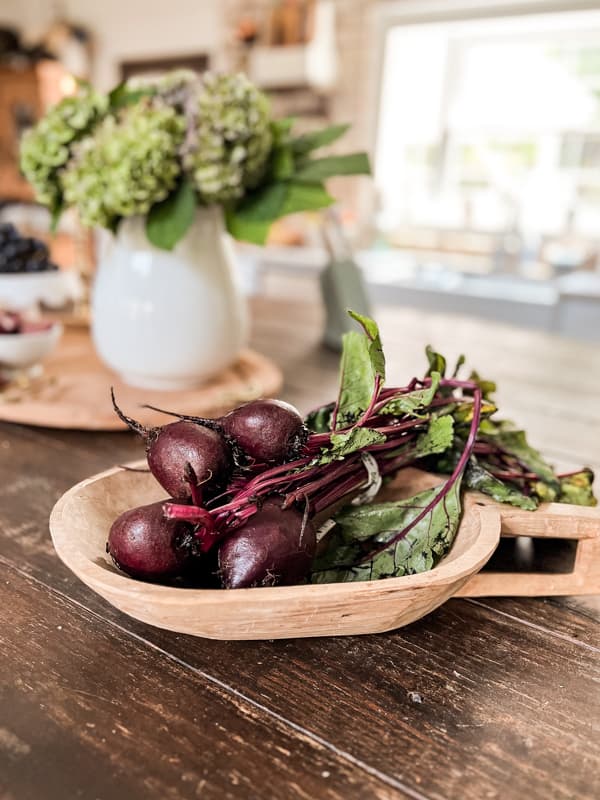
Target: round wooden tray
74	391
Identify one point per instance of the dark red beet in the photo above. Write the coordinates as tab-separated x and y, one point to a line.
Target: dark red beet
275	546
145	545
183	455
268	431
174	448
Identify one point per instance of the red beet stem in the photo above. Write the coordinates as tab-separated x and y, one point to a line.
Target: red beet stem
198	516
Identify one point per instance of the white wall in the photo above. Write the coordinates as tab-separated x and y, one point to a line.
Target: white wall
129	29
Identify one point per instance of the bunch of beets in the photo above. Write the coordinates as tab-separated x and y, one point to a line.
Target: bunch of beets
252	492
199	462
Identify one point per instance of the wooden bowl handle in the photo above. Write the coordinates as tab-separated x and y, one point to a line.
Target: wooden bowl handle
552	521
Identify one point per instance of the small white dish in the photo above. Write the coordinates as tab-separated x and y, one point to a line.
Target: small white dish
23	290
21	351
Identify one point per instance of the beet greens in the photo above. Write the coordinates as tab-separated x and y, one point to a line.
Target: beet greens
446	425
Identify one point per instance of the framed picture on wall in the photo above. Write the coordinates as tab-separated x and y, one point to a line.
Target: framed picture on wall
151	67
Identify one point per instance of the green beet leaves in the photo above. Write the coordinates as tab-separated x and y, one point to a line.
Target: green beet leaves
415	401
480	480
438	437
515	444
344	444
438	427
577	489
356	379
362	370
360	529
319	420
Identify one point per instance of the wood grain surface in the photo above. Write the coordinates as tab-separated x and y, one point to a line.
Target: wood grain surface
486	698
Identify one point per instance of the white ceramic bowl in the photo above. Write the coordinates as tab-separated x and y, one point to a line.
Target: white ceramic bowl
25	290
20	351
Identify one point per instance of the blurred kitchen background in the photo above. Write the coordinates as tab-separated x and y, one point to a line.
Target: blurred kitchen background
482	120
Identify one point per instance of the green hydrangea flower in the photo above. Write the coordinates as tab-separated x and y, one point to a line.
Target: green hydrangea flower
230	137
128	164
172	88
47	146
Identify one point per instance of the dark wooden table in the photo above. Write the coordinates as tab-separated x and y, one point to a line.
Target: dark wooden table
481	699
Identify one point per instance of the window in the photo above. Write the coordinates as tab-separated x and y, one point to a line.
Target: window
488	148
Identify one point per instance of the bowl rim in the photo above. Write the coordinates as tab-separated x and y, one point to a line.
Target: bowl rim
114	583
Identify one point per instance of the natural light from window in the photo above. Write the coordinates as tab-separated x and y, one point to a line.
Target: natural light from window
489	141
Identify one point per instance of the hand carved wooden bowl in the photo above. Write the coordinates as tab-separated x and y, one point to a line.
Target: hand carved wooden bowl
81	520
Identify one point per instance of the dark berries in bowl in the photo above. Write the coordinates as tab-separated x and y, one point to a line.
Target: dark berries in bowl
22	253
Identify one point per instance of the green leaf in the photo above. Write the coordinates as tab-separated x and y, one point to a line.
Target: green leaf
319	420
282	163
460	361
514	442
251	219
123	95
315	139
437	362
438	437
56	211
577	489
305	197
480	480
487	387
415	401
357	379
543	492
361	364
264	204
463	413
418	551
280	129
168	222
246	230
344	444
371	329
338	553
322	168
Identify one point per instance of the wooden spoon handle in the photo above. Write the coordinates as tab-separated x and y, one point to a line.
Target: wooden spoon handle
555	521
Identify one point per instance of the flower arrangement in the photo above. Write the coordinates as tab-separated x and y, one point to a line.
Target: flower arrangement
161	149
